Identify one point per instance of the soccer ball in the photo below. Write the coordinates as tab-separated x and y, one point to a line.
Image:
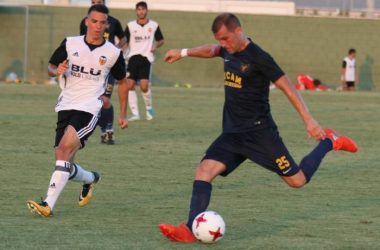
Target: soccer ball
209	227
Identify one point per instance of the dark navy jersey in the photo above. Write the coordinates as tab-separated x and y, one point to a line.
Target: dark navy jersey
113	29
247	75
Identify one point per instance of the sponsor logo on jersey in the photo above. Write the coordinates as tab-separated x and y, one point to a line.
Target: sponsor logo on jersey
244	67
232	80
89	74
102	60
76	54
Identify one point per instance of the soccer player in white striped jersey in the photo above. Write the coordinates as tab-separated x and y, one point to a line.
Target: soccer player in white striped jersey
83	64
140	35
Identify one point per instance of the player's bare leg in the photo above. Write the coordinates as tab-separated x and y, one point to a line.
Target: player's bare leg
133	101
147	96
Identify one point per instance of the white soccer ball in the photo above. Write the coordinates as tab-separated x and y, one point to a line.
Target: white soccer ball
209	227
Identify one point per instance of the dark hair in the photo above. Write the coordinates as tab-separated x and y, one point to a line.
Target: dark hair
99	8
351	51
227	19
317	82
142	4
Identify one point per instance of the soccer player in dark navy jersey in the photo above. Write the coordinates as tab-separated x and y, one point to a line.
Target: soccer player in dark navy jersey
249	131
113	30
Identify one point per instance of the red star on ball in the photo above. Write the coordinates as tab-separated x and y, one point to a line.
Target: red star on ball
216	234
200	219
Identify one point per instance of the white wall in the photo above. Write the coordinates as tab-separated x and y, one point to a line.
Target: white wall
249	7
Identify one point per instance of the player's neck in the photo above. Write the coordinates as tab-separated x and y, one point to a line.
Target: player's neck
142	21
244	44
94	41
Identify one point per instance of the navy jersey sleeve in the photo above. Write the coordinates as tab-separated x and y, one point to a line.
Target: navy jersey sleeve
59	55
344	65
118	29
118	69
158	34
83	27
127	33
269	67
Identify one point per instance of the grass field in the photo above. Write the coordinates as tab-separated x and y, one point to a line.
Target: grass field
147	176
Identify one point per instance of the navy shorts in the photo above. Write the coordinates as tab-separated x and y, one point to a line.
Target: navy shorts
84	123
139	68
110	84
264	147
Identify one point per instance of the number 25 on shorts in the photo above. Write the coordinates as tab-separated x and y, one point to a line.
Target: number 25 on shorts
282	162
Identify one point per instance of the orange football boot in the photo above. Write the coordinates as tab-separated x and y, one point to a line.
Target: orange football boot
341	142
179	234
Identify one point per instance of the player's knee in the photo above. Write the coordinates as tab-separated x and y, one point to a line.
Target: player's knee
297	183
106	103
62	150
144	89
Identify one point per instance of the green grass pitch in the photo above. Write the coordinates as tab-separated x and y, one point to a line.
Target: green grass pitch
147	176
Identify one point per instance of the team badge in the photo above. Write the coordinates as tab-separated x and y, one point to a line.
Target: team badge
244	67
150	30
102	60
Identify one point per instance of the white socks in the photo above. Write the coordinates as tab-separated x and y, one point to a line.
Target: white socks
132	100
147	99
57	182
60	177
79	174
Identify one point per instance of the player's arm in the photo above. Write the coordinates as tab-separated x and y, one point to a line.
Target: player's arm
159	38
118	71
344	72
120	34
204	51
58	63
127	36
312	127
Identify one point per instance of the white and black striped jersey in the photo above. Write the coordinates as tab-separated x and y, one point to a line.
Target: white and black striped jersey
141	38
89	68
349	65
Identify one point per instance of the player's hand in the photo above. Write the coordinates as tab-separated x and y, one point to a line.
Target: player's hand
62	67
123	123
172	56
154	48
315	131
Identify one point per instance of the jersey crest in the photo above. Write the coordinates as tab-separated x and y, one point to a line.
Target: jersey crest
102	60
244	67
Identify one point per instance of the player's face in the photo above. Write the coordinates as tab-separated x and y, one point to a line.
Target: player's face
141	12
230	40
93	2
96	23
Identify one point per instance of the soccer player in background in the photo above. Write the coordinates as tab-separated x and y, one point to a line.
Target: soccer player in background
83	64
349	74
141	34
249	131
113	30
306	82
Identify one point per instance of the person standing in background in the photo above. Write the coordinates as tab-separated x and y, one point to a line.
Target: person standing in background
349	74
141	34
